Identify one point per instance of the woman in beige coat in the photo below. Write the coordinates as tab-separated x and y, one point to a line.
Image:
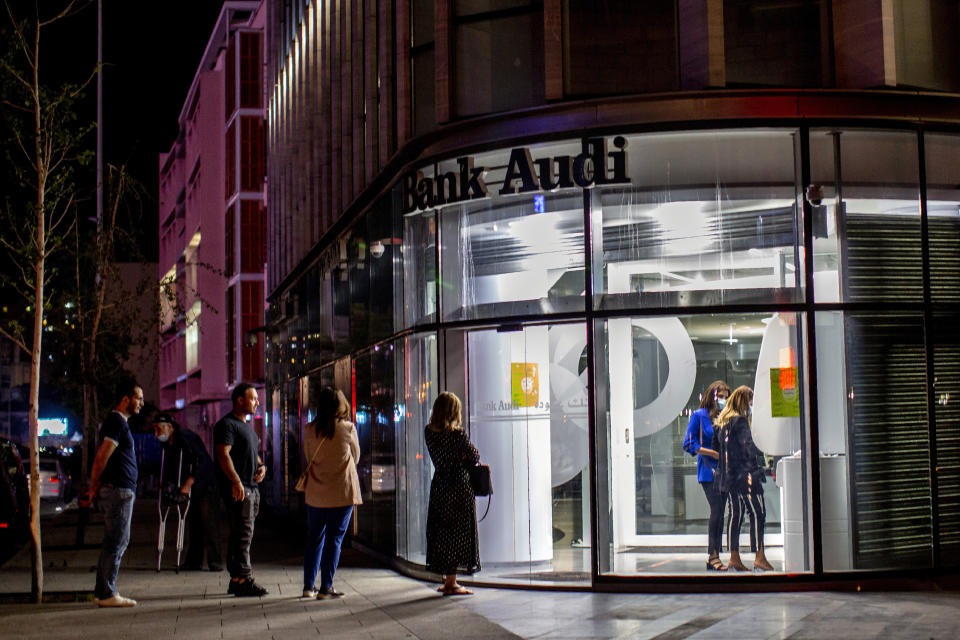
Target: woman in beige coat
332	490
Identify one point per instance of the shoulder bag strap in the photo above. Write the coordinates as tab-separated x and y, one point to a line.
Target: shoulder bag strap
315	452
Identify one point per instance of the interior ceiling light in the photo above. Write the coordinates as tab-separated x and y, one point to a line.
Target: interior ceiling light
730	339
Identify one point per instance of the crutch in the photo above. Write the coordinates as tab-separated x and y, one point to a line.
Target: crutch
181	517
163	509
161	512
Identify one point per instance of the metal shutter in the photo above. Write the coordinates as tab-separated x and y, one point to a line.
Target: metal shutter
890	466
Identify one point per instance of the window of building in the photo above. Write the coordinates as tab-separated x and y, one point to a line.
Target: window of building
653	374
867	244
708	218
252	153
416	386
927	34
499	55
230	78
230	161
251	71
230	227
943	214
777	43
251	317
422	66
637	42
253	236
874	440
231	313
511	255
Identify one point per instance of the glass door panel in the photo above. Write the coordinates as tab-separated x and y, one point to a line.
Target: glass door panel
527	414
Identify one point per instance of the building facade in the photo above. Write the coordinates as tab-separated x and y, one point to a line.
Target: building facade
577	215
213	227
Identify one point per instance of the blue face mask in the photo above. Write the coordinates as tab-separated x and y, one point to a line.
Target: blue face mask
163	437
721	403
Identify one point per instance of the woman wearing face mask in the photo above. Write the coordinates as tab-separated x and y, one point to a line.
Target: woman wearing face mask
698	442
740	473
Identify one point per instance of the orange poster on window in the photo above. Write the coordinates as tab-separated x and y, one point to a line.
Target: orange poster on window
525	384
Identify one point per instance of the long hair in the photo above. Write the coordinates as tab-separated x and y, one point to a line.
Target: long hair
738	404
709	400
332	407
446	413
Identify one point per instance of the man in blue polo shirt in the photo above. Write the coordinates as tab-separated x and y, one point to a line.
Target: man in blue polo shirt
114	482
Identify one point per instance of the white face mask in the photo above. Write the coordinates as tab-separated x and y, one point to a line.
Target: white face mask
163	437
721	403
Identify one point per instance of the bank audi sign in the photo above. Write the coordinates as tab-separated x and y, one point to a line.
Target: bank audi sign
524	174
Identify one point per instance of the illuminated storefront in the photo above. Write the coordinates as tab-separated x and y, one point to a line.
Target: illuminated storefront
581	293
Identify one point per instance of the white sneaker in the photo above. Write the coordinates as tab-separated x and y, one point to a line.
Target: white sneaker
116	600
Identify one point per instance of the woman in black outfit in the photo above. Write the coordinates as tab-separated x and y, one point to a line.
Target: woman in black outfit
452	544
740	473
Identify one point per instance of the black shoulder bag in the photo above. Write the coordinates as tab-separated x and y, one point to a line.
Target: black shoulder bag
482	484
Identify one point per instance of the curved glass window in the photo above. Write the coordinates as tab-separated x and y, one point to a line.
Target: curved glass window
866	244
512	253
708	218
943	215
667	513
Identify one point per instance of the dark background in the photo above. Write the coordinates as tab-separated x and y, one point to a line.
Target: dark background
151	52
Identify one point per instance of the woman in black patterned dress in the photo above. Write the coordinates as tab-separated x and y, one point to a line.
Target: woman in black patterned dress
452	544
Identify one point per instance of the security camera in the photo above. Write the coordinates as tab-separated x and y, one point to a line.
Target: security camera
377	249
815	194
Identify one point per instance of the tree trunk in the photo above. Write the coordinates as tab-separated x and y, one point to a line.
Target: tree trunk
36	556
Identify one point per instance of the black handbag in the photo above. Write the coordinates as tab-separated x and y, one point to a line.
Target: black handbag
480	480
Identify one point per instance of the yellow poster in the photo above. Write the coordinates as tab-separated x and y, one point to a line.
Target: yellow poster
784	393
525	384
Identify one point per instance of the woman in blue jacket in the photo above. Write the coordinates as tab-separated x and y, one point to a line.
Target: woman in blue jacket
698	442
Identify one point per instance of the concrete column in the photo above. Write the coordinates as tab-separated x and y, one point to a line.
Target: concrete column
864	43
700	44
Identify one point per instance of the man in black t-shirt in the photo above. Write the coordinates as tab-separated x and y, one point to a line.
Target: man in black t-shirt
114	482
239	470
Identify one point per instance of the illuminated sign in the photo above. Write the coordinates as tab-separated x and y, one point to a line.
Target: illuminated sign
52	426
524	174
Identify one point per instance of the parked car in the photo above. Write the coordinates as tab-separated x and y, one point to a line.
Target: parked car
53	480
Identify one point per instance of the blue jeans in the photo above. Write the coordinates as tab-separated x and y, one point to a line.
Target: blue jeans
326	527
117	507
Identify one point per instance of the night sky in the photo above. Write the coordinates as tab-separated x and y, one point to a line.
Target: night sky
151	52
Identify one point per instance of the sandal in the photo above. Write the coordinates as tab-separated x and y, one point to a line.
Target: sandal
457	591
715	564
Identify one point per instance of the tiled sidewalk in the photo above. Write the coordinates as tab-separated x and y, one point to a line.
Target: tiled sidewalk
380	603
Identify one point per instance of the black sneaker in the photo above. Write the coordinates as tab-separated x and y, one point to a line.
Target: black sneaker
232	587
328	592
249	589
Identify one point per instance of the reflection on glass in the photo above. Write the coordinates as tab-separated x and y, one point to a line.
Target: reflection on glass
874	441
657	369
515	256
943	215
527	408
373	375
417	388
709	218
419	268
866	243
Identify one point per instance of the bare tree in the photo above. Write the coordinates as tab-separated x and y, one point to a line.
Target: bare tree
44	153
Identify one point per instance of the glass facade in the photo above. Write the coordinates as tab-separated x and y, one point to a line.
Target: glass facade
581	295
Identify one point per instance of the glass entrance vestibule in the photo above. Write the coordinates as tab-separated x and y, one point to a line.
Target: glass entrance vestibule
581	296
